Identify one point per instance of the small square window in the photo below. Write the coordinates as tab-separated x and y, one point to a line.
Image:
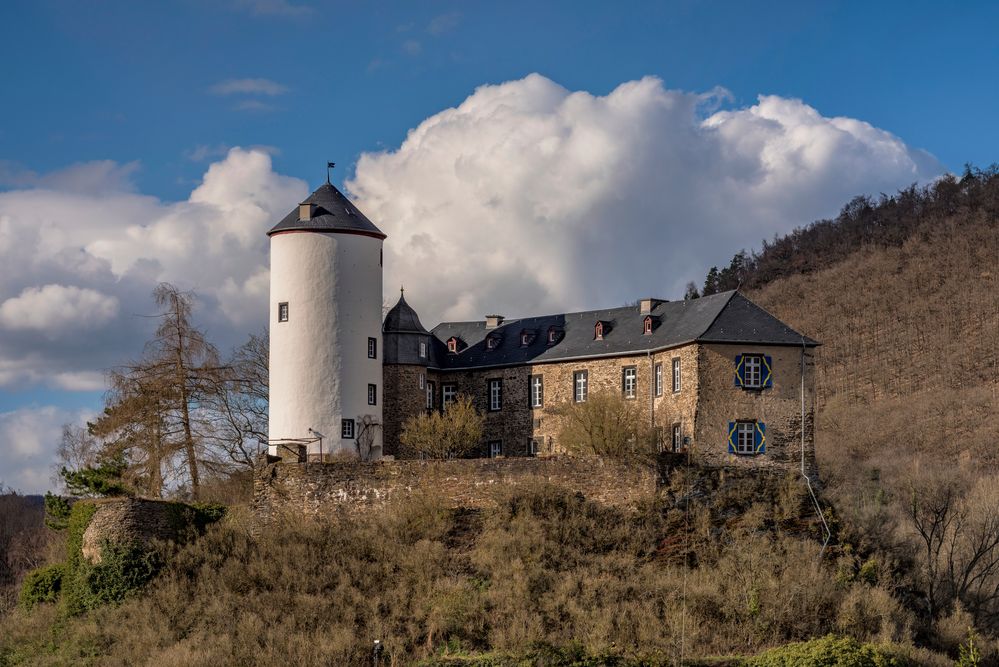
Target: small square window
372	348
372	394
534	446
283	312
495	448
347	428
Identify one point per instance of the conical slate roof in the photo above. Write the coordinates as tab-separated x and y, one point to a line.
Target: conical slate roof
403	319
333	213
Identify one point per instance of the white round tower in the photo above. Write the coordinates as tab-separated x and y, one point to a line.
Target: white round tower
325	330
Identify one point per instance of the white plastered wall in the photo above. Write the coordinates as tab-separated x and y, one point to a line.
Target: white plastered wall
319	365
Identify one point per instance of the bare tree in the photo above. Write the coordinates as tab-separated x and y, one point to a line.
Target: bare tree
449	434
606	425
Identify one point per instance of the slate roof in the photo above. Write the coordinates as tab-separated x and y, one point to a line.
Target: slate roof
334	213
728	317
403	319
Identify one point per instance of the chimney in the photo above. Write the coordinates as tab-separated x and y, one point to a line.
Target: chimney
493	321
305	211
647	305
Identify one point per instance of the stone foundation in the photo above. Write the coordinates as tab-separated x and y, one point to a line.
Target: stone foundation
282	487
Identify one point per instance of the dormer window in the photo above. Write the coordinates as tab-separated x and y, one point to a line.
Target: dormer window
649	324
526	337
554	333
598	331
452	345
492	342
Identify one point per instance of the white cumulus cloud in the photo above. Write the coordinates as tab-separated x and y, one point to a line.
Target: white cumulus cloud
528	197
52	309
248	87
29	438
77	268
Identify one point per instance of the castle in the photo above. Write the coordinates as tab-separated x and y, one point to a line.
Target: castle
717	376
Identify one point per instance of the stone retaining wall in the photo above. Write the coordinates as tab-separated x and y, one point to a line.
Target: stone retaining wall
326	488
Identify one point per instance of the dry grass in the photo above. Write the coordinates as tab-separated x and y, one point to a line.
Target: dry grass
546	567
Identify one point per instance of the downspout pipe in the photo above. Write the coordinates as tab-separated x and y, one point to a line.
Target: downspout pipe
804	472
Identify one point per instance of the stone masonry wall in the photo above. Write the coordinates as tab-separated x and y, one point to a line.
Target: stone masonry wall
126	520
326	488
403	398
779	407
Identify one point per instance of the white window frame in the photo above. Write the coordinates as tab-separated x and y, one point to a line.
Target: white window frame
449	393
745	437
495	395
537	391
580	386
423	349
283	311
677	436
423	381
629	381
372	348
752	365
372	394
533	446
347	429
659	379
495	448
677	375
431	390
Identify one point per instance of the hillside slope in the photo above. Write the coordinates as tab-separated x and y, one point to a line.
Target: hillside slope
909	367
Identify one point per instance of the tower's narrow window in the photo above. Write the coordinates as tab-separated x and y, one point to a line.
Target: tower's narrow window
372	348
676	375
283	312
495	395
423	350
372	394
347	428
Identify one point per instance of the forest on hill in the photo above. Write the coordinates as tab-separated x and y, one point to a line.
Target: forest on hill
902	293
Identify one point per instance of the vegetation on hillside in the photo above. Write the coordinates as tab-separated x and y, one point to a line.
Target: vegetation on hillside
544	573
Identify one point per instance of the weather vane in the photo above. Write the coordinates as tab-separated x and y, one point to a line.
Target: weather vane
329	166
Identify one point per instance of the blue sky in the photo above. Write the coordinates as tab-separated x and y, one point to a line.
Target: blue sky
129	81
118	124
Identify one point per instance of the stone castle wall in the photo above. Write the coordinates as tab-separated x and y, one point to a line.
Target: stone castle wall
121	521
282	487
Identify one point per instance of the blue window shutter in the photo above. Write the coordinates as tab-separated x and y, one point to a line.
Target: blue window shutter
731	436
739	379
768	371
760	438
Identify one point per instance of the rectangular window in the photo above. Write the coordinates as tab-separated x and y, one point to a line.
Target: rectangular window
534	446
676	375
495	395
372	394
283	312
677	437
495	448
347	428
448	393
659	379
628	376
372	348
431	391
746	436
537	391
423	350
580	386
753	370
423	381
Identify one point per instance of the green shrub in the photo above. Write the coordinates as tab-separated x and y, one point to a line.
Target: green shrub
829	651
42	585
